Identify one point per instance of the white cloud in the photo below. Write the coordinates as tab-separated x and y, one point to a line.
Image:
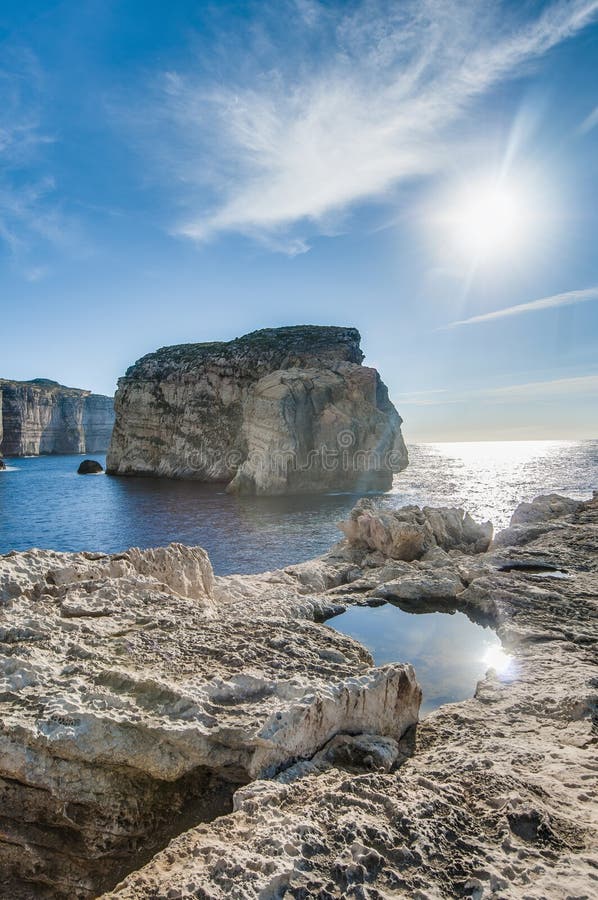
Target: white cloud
554	388
302	139
569	298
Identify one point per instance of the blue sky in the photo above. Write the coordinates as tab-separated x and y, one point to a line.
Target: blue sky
426	171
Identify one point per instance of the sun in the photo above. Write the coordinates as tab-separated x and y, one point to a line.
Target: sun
486	220
490	220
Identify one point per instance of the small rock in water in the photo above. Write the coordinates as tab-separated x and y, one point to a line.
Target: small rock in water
90	467
2	463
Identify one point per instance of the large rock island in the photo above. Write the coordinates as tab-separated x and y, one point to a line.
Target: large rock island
282	410
42	416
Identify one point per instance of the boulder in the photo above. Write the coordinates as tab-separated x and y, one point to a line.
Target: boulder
549	512
544	508
90	467
437	585
410	533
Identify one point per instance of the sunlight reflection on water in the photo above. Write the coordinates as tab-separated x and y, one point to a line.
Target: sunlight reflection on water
44	503
490	478
450	653
496	658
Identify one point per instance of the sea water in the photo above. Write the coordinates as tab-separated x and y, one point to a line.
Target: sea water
450	652
44	503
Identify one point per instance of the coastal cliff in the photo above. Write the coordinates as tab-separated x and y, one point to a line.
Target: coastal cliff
281	410
42	416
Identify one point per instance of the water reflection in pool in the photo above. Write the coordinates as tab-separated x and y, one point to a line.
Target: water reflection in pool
450	653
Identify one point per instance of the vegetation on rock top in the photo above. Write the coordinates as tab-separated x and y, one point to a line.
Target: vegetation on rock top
278	346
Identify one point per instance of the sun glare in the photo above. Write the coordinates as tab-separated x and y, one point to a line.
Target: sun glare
487	220
496	658
490	220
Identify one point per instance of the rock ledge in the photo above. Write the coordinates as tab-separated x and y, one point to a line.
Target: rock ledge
144	698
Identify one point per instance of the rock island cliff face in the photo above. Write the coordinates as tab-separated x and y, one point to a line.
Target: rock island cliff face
284	410
42	416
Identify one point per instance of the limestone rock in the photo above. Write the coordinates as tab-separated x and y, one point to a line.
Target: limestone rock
98	421
410	532
366	752
531	520
90	467
144	699
287	410
137	690
362	751
42	416
544	508
437	585
493	797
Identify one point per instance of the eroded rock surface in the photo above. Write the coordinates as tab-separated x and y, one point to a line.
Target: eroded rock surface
145	698
495	797
410	532
42	416
282	410
138	691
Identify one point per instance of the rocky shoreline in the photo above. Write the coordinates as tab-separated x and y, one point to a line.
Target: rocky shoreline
144	698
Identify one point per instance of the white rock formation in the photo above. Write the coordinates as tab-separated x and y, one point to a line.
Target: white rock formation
410	532
549	511
285	410
491	798
143	698
42	416
135	685
543	508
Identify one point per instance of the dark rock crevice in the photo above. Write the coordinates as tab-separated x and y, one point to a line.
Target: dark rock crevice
78	850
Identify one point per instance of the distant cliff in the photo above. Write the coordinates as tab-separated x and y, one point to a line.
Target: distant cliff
282	410
42	416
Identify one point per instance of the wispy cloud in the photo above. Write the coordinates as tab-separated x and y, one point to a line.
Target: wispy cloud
554	388
286	143
569	298
425	398
590	122
27	208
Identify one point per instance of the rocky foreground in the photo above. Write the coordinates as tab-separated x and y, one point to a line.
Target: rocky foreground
277	411
143	698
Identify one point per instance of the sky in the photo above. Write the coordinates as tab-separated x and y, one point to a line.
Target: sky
425	171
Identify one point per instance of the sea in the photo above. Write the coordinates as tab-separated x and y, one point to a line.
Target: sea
44	503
